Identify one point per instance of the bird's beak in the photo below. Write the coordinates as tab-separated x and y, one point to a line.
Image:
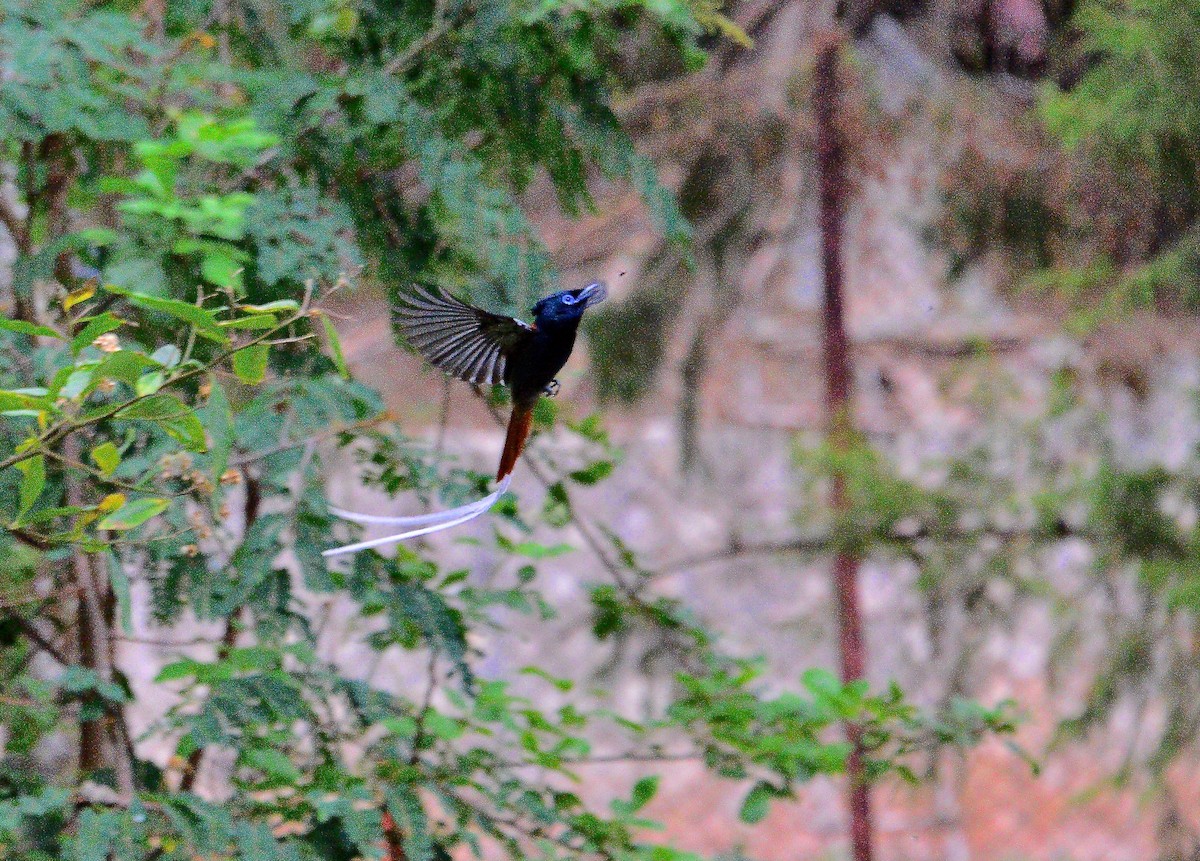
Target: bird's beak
593	294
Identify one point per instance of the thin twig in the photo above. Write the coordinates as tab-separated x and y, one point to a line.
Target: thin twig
826	544
443	416
95	648
426	705
123	740
610	758
29	157
12	223
58	595
56	432
191	338
839	374
35	636
196	757
31	539
19	702
98	475
441	26
585	528
151	641
294	339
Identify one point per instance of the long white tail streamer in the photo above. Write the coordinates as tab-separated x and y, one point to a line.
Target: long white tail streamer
394	520
426	523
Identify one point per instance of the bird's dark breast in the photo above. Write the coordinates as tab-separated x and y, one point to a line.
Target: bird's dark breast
538	362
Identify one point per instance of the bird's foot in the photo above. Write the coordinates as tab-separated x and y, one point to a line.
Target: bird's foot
551	389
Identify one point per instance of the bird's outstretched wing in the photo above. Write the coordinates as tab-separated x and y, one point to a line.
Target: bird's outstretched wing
468	342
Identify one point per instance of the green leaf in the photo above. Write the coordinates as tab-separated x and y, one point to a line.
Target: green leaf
643	791
218	418
250	364
414	605
175	417
125	366
440	726
335	347
204	322
81	680
167	355
274	763
95	327
106	457
534	550
252	321
256	841
148	384
28	328
177	670
13	401
821	682
272	307
120	588
147	273
134	513
402	725
545	413
221	270
76	383
81	295
405	806
300	232
757	804
33	479
594	473
98	832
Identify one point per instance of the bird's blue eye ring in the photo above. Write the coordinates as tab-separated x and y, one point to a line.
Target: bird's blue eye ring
568	299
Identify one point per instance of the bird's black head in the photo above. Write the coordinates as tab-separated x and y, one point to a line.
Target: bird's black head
568	305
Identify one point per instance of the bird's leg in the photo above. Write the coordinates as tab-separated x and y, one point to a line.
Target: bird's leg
551	390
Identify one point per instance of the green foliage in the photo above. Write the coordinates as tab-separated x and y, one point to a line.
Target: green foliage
1129	124
1137	102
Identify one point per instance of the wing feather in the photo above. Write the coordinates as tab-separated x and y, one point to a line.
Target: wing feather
468	362
488	369
468	342
482	363
449	349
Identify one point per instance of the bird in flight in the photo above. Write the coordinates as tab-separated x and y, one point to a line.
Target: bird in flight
485	348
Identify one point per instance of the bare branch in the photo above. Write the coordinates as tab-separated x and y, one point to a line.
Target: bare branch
582	523
13	224
35	636
426	705
441	26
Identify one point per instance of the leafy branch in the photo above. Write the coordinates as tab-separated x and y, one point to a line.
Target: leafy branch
56	432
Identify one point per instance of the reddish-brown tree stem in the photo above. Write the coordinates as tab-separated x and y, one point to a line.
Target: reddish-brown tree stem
831	161
393	841
91	732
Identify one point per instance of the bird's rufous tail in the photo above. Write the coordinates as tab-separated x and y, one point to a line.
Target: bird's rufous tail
518	431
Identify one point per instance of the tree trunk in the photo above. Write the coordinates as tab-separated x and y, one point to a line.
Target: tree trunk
831	163
93	647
